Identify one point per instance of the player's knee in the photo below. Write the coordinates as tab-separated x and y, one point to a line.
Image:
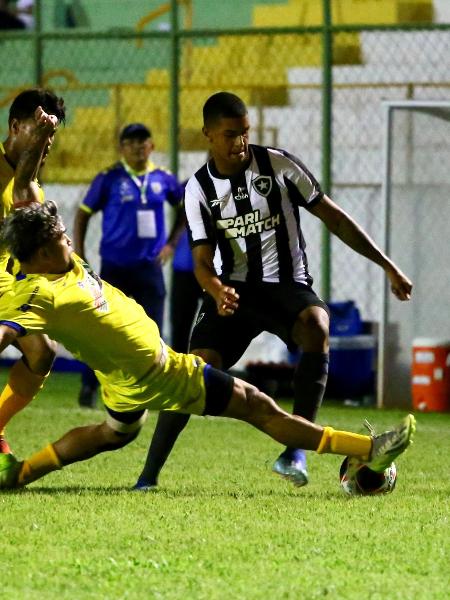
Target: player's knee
111	439
312	329
118	434
39	353
123	439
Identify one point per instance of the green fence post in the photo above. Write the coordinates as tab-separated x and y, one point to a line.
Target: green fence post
174	86
327	92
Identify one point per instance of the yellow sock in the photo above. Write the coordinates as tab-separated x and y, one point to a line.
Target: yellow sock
22	387
39	464
346	443
10	404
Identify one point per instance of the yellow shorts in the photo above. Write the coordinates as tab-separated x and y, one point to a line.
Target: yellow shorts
176	383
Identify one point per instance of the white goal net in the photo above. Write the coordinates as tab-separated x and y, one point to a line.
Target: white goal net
417	237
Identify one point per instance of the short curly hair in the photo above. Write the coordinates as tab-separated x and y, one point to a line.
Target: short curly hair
28	229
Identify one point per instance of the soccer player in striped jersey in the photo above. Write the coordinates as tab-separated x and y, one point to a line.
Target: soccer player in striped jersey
33	119
56	292
246	203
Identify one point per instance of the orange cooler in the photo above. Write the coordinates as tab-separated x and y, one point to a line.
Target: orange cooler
431	374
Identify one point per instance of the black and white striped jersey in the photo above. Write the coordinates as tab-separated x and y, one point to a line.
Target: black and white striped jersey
253	218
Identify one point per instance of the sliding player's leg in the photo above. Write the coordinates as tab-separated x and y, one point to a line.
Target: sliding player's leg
26	378
78	444
248	404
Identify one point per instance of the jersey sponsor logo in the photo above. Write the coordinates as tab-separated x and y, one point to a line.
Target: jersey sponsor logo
27	305
242	194
244	225
263	184
218	201
93	285
126	191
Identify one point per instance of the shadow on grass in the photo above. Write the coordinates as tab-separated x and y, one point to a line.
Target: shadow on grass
184	492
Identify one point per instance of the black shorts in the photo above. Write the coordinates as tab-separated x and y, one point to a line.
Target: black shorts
272	307
219	387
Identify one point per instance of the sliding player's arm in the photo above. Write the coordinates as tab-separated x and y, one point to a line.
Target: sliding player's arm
80	228
7	336
26	189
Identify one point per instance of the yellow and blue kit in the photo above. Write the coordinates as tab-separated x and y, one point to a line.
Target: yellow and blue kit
112	334
6	207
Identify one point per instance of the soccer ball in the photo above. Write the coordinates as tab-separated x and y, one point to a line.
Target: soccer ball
358	480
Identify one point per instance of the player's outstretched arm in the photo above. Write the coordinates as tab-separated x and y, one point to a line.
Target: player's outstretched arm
347	230
25	188
80	227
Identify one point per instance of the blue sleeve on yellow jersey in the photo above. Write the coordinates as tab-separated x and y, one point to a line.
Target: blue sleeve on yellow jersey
22	331
29	308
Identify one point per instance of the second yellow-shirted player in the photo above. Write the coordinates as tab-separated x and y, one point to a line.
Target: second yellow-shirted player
101	326
33	118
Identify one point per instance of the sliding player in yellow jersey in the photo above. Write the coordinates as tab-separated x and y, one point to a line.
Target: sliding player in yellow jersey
33	119
57	294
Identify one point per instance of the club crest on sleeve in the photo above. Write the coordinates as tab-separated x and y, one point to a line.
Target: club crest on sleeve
263	184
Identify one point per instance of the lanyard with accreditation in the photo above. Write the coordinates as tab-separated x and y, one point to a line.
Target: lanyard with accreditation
146	221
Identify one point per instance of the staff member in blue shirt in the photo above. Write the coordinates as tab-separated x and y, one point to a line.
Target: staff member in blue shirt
131	195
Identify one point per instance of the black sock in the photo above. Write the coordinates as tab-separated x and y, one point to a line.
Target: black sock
310	380
168	428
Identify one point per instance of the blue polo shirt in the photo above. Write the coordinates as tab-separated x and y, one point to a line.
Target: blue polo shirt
182	257
132	205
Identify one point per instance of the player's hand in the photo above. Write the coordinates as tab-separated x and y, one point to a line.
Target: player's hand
44	120
227	301
401	286
165	254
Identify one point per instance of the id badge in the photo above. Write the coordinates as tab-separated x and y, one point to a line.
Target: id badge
146	224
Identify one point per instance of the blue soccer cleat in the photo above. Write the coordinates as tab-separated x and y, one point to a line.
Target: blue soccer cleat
291	465
9	471
144	486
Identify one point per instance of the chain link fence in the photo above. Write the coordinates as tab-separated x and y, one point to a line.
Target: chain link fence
112	78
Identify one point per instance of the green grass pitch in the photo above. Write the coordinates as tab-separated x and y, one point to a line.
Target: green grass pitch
222	526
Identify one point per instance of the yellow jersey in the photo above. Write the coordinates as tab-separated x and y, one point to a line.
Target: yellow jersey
109	331
6	207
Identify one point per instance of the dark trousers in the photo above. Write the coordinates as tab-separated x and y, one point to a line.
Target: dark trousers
184	299
143	282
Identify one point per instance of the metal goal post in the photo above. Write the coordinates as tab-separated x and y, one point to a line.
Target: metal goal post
416	223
